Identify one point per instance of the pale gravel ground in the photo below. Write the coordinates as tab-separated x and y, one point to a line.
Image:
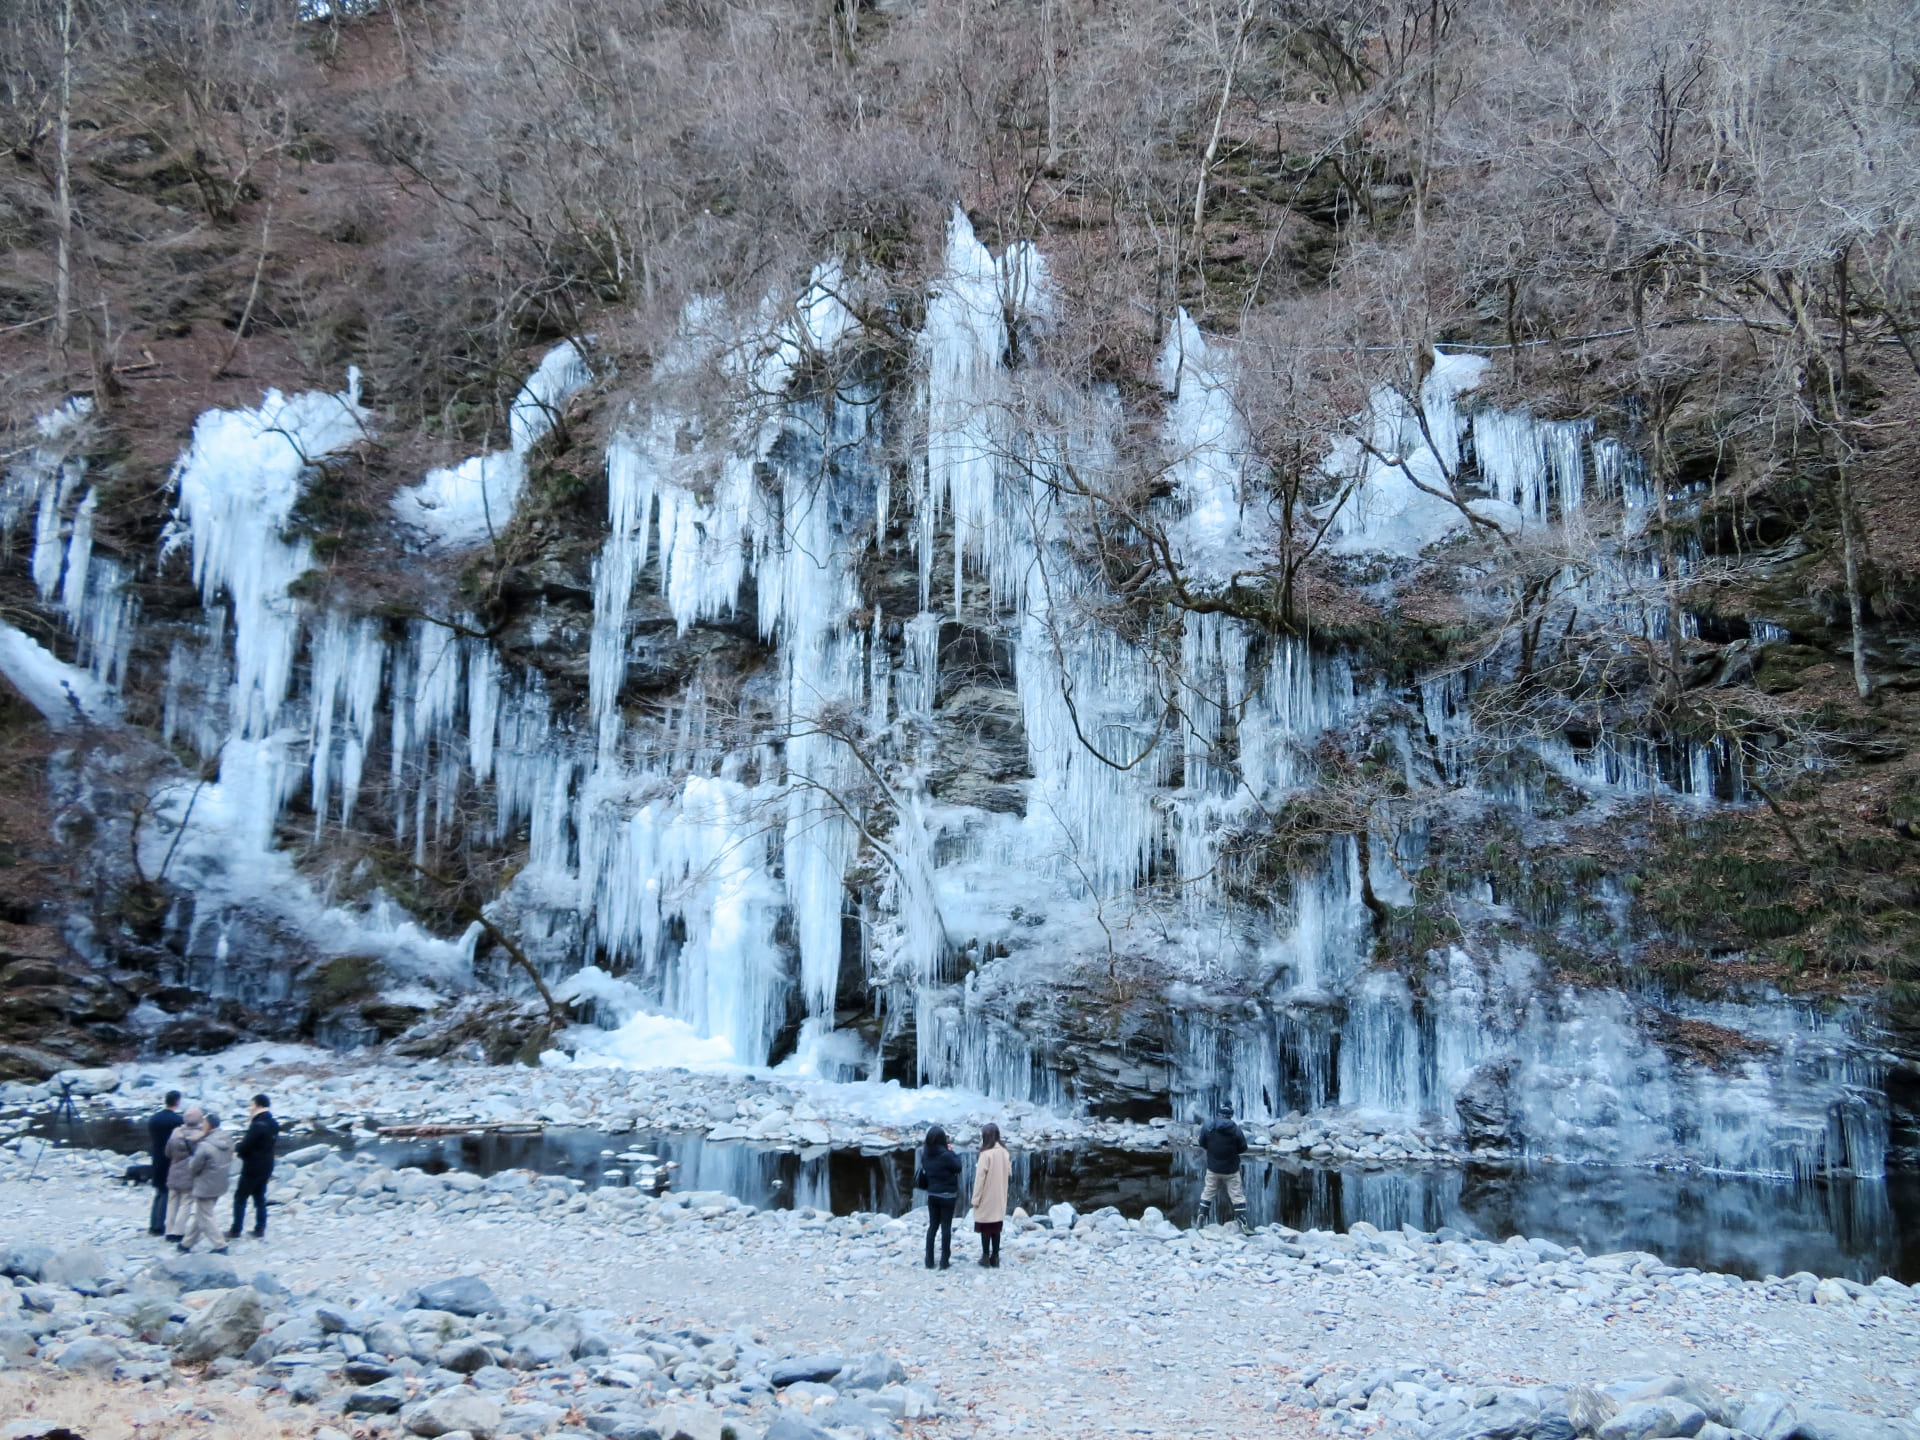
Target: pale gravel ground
1064	1339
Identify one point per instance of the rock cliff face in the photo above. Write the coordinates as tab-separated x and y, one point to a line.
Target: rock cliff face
857	730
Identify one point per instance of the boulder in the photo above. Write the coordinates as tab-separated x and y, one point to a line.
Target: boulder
1767	1415
385	1398
198	1272
1062	1216
226	1327
196	1035
1484	1102
306	1155
102	1081
851	1414
1664	1419
462	1295
544	1345
688	1422
871	1372
463	1357
75	1268
28	1062
1509	1416
459	1407
27	1262
815	1368
791	1427
1823	1424
89	1355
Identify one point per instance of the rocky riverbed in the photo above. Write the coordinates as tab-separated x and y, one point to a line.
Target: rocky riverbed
614	1313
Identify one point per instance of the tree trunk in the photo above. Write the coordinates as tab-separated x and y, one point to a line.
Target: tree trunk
63	201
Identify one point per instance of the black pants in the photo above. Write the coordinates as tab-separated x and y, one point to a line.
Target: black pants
940	1222
990	1246
157	1221
254	1187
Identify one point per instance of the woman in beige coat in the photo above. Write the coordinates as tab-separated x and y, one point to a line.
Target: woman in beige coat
991	1172
179	1177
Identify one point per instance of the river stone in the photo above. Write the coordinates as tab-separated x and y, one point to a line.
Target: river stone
818	1369
1823	1424
1767	1415
851	1413
463	1357
226	1327
80	1266
459	1408
1655	1420
384	1398
463	1295
26	1261
1061	1216
198	1272
871	1372
791	1427
367	1370
631	1427
1510	1415
538	1347
688	1422
306	1155
16	1345
89	1355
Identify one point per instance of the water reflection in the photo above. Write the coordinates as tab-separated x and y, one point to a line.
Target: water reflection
1859	1229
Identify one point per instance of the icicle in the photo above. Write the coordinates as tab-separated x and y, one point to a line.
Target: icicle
630	488
237	487
965	340
483	707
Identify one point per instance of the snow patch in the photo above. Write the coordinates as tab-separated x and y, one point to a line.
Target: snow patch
471	503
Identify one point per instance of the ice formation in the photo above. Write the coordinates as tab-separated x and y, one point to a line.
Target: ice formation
473	502
708	871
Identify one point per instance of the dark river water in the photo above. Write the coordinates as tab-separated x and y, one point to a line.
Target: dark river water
1858	1229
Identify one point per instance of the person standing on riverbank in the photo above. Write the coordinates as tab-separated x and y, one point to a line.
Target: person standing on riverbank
256	1168
1225	1142
940	1177
179	1177
991	1173
211	1168
160	1127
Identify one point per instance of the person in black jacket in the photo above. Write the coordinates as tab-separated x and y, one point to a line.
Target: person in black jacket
940	1177
256	1168
1224	1143
161	1124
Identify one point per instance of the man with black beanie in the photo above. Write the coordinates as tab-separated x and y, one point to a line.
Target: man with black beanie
256	1168
161	1124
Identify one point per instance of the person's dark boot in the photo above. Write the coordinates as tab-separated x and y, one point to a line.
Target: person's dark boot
1240	1219
234	1234
1203	1216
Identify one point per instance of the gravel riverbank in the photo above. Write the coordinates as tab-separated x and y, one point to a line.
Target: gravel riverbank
1096	1324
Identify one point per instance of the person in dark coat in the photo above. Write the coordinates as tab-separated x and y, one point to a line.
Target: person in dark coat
256	1168
1224	1143
160	1127
940	1177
